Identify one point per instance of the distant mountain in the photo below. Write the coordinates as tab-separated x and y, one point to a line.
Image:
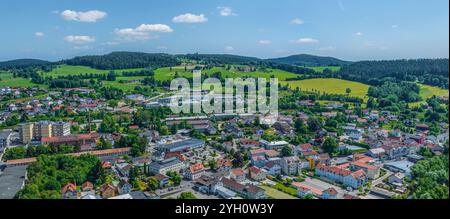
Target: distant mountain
22	63
310	60
124	60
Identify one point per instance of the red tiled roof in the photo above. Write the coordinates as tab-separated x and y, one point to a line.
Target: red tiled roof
334	170
224	162
306	147
196	168
237	171
68	138
304	187
68	187
254	170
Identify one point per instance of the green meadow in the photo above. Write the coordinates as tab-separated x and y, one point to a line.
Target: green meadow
322	68
66	70
330	85
7	80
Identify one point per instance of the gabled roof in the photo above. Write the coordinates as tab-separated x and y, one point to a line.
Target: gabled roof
68	187
196	168
237	172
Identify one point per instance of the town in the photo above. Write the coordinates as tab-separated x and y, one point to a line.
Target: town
131	146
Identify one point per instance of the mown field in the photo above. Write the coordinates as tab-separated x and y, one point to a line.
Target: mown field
330	85
277	194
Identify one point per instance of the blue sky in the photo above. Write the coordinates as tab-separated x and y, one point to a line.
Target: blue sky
346	29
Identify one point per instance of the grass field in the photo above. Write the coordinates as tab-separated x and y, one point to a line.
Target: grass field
7	80
427	91
65	70
321	68
330	85
277	194
167	73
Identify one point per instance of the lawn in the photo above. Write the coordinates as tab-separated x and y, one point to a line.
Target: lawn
277	194
330	85
321	68
285	189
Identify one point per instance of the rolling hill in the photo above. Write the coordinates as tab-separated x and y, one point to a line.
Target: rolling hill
309	60
22	63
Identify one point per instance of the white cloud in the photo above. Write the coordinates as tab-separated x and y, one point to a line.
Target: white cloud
395	26
327	48
297	21
304	41
264	42
79	39
161	28
190	18
88	16
226	11
229	48
142	32
39	34
359	34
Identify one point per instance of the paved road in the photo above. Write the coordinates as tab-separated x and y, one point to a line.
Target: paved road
380	179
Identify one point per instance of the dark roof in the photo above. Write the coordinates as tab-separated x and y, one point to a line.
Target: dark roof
139	195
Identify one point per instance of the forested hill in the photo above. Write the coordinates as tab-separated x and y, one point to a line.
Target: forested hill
22	63
220	59
310	61
124	60
433	72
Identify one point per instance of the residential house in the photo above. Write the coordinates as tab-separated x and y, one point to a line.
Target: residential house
237	174
195	171
108	191
223	165
256	174
162	180
272	168
69	191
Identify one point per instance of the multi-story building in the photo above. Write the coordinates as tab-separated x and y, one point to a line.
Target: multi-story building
290	165
42	129
164	166
60	129
346	177
26	132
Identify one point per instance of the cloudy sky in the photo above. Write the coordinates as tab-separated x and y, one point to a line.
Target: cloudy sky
346	29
